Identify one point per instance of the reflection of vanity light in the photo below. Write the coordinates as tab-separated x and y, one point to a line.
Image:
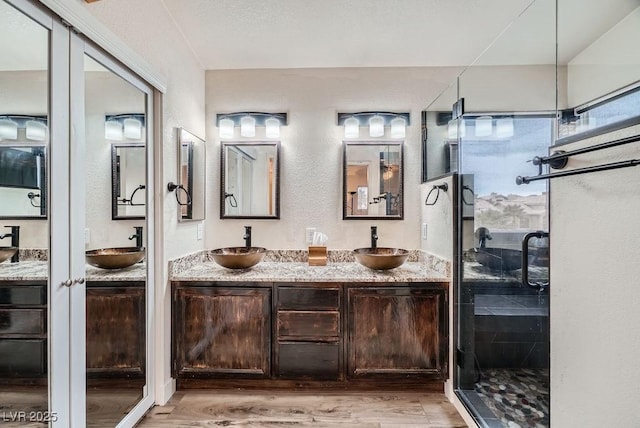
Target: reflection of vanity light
132	128
387	174
113	130
398	127
8	129
35	130
376	126
225	128
452	129
272	126
484	126
247	126
351	128
504	127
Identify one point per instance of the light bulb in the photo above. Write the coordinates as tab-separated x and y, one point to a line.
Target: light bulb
398	127
351	128
113	130
132	128
247	126
226	128
504	127
8	129
484	126
272	126
376	126
35	130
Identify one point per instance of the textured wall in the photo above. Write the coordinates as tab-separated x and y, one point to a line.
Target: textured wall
311	181
595	333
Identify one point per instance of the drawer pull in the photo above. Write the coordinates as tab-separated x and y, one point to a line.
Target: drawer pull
67	283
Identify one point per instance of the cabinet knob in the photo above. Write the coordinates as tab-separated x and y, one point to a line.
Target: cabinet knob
67	283
78	280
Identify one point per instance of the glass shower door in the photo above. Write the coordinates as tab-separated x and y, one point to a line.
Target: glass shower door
503	341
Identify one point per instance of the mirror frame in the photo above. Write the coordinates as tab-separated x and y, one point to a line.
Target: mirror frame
223	146
115	179
347	143
44	191
201	193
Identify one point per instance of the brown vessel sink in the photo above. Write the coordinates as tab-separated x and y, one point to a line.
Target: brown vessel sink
381	258
238	257
7	252
114	258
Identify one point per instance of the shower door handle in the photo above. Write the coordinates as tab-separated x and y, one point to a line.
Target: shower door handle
538	285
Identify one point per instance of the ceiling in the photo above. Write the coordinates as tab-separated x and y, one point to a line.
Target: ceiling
240	34
245	34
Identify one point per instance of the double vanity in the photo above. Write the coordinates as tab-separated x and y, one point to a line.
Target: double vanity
285	323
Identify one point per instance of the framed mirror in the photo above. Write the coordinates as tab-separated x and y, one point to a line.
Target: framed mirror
128	178
373	177
191	176
23	181
250	180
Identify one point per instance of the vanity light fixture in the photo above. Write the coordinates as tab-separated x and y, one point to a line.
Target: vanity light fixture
376	126
351	128
376	121
272	127
113	130
248	121
8	129
484	126
132	129
247	126
118	127
504	127
398	127
35	127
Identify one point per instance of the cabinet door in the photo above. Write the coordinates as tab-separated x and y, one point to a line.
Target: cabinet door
396	332
115	331
222	332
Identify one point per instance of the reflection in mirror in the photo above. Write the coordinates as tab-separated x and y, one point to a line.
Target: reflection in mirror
250	180
599	71
373	180
116	312
24	329
23	181
128	178
191	176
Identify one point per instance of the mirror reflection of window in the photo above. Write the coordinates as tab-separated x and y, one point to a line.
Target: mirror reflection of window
250	180
190	197
373	180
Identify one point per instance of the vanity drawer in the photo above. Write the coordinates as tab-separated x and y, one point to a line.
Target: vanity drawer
22	321
305	298
23	295
308	324
20	357
308	360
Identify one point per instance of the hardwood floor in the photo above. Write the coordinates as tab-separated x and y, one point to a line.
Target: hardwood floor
215	408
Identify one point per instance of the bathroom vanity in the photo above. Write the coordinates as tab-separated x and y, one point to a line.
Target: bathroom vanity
288	324
115	323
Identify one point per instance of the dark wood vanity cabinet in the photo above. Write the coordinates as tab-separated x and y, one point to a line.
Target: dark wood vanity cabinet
116	329
308	342
23	331
335	333
397	331
222	331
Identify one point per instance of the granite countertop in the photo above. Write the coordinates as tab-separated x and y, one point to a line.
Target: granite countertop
38	271
302	272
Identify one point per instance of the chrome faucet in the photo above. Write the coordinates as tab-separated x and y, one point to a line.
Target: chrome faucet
374	236
15	241
247	236
137	236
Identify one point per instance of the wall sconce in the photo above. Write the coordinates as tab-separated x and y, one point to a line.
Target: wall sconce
376	121
248	121
504	127
484	126
35	127
120	126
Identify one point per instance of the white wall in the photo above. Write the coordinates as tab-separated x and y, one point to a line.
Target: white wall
311	151
438	218
164	48
595	293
